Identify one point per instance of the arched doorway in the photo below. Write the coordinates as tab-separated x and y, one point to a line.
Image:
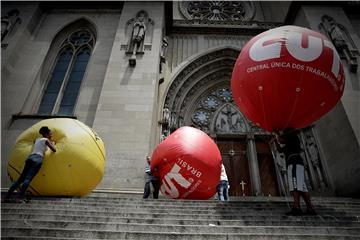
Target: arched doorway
200	96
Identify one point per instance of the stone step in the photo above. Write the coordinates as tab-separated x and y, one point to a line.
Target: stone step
116	234
223	209
284	221
205	206
244	200
26	208
98	226
259	216
184	236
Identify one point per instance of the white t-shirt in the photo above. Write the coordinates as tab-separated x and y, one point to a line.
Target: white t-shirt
223	175
40	146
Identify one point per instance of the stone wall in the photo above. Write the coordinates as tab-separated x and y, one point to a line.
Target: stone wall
25	62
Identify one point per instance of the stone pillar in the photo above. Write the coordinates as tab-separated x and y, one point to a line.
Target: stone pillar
127	105
254	165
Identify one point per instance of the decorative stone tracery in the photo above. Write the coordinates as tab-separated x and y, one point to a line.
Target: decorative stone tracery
218	10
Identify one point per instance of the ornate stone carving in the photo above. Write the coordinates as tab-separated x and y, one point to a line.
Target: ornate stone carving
9	21
341	40
230	121
218	10
137	29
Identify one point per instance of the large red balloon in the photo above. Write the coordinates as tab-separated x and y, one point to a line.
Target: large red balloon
188	163
287	77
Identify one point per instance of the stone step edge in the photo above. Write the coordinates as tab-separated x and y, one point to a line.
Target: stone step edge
161	221
161	207
171	225
166	200
159	204
272	214
188	234
282	218
32	211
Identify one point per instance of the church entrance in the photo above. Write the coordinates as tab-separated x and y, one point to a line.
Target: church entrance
269	184
234	154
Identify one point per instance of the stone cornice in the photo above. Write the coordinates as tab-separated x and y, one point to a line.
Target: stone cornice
211	26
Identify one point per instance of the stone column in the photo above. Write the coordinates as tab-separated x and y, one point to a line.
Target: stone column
128	102
254	165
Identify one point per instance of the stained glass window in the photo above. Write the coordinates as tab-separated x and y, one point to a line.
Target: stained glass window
63	87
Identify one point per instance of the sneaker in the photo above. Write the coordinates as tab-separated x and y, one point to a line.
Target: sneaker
310	212
294	212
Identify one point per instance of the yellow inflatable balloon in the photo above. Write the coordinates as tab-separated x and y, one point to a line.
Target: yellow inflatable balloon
75	169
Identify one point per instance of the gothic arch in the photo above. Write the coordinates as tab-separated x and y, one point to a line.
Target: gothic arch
76	24
204	80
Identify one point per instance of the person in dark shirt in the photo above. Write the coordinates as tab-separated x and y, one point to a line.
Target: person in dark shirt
289	143
150	178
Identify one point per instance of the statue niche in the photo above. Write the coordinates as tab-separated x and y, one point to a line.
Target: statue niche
341	40
8	22
139	32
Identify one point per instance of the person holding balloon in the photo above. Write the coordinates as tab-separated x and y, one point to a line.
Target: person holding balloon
32	164
289	144
150	178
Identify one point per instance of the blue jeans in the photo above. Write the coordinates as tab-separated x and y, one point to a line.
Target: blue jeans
32	166
223	191
156	185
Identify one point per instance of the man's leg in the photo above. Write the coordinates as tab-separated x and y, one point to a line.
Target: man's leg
226	191
310	207
296	198
20	180
156	185
147	188
221	192
33	170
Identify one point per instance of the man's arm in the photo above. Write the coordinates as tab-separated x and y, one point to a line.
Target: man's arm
50	145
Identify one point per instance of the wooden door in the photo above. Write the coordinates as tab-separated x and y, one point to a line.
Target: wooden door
234	156
269	184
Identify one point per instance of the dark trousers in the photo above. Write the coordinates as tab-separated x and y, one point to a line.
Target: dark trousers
156	185
32	166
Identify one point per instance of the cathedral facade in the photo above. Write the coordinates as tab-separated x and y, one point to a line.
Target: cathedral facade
136	71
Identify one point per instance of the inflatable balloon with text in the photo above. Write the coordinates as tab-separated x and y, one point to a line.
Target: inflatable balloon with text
188	163
287	77
74	170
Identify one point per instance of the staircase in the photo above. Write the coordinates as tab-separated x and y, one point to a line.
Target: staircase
128	216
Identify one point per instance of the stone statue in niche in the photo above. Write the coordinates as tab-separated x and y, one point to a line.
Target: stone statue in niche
164	46
139	26
341	40
166	115
315	158
8	22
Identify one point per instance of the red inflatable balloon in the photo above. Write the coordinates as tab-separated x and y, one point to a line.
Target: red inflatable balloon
287	77
188	163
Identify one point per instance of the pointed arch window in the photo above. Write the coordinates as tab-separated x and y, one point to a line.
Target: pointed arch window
62	89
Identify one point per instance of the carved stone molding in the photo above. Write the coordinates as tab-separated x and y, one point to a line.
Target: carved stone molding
200	96
197	26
